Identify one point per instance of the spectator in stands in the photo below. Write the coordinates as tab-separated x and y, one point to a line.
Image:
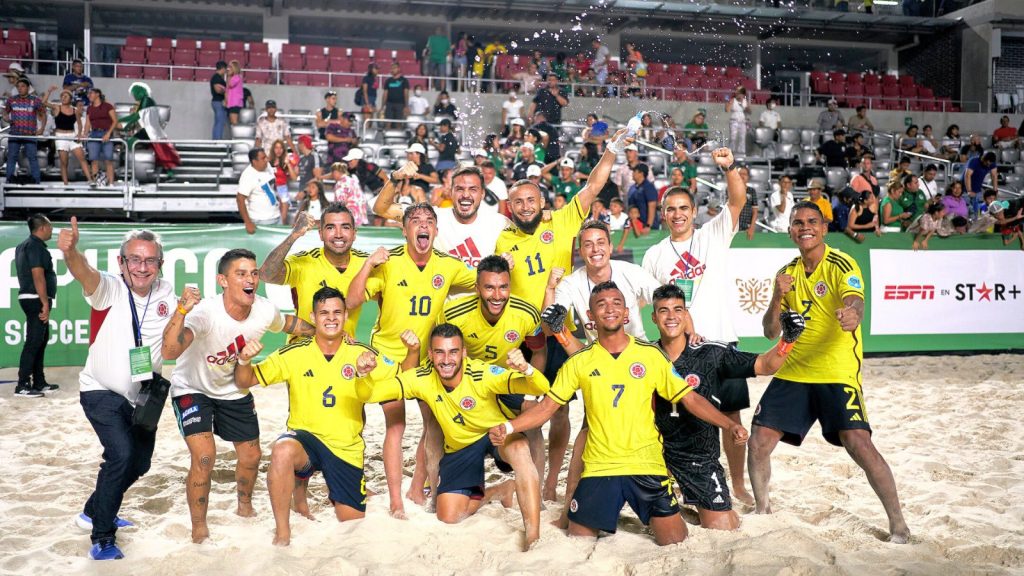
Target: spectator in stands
1008	215
447	146
341	137
928	142
855	149
815	195
892	218
533	175
284	170
78	84
974	177
347	191
529	79
714	208
327	113
495	190
913	198
371	177
550	102
748	214
511	109
537	139
493	49
14	73
932	222
436	56
418	104
585	164
929	186
309	168
781	202
460	59
832	152
1005	136
218	88
902	168
594	135
910	142
950	149
249	101
955	201
862	218
841	210
770	117
738	107
26	115
421	135
623	175
647	130
510	145
675	180
444	107
426	175
972	149
697	129
312	200
234	97
100	122
366	95
441	197
635	60
69	129
492	147
865	181
527	158
644	196
859	121
549	135
830	119
600	61
270	128
256	197
396	97
566	181
681	160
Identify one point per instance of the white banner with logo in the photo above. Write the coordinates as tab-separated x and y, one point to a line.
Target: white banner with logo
753	271
947	292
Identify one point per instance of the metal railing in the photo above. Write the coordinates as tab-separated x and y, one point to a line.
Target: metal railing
120	144
227	145
897	103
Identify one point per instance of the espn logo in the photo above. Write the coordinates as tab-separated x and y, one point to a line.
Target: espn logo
909	292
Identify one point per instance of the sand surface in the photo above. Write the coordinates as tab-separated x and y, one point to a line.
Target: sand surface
950	427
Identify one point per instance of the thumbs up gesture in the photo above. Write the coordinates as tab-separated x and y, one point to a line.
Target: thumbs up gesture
67	240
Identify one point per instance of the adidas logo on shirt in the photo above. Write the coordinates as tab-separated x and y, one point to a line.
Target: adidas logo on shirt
403	283
308	374
718	500
595	373
473	335
514	248
467	252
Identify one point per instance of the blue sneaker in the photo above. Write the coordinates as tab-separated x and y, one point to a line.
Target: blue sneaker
85	523
105	550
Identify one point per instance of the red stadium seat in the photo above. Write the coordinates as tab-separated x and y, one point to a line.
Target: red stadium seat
10	51
749	83
345	80
907	81
854	78
187	74
405	55
733	72
837	88
855	102
316	50
133	41
260	62
291	49
726	83
207	59
361	53
889	80
760	96
258	48
230	55
131	71
890	91
133	55
259	77
339	64
908	91
409	68
713	71
854	89
818	75
186	43
161	43
156	73
871	79
337	52
295	78
820	86
316	63
872	90
839	77
289	62
708	82
925	92
234	46
676	68
360	65
184	57
159	56
318	79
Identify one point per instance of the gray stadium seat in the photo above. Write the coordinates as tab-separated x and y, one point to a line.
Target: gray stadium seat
789	136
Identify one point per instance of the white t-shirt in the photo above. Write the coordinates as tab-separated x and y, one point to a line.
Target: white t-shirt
418	105
780	220
930	189
208	365
771	119
600	63
702	259
736	108
260	196
106	367
469	242
512	109
637	287
620	222
500	190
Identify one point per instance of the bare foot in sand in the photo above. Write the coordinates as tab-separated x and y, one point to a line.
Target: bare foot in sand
416	496
200	534
743	496
398	512
282	538
550	494
899	534
245	510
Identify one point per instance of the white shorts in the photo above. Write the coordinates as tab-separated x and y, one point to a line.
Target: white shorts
66	141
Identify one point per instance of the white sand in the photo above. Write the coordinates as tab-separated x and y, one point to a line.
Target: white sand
950	428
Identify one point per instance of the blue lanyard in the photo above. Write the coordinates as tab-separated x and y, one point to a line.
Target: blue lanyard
136	323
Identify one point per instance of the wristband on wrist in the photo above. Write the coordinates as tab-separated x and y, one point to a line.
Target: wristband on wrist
562	337
508	427
529	370
784	347
731	167
242	362
182	310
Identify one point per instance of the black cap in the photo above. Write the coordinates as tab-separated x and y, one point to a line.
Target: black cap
446	122
220	64
270	104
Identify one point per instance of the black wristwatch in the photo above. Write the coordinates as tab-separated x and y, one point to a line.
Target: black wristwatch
731	167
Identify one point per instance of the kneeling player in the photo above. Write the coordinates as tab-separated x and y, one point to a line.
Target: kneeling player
691	445
622	461
325	418
463	395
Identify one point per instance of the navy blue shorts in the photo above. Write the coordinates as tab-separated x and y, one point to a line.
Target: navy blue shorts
514	403
598	500
793	407
462	471
345	483
232	420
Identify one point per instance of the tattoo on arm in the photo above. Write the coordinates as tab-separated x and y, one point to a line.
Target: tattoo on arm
273	267
289	325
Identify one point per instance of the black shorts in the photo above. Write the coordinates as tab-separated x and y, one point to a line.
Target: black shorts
513	402
702	482
734	393
345	483
232	420
598	500
793	407
462	471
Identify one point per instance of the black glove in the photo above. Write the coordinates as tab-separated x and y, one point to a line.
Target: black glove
554	317
792	326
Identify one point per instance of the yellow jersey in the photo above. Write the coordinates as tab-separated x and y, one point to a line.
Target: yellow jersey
826	354
536	254
308	271
412	298
467	412
618	394
321	393
484	341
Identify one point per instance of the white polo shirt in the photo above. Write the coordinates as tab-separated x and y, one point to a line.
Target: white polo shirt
637	287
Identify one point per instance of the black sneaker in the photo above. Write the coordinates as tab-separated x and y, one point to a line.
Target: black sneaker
27	392
46	387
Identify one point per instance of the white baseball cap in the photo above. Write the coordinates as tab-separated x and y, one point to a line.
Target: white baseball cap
527	145
533	170
416	147
353	154
632	147
480	152
567	163
517	122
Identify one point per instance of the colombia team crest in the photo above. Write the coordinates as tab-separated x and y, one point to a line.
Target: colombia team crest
511	336
162	310
467	403
693	380
547	237
437	281
637	370
348	371
820	289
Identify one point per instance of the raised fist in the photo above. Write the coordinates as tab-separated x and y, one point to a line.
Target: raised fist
554	317
251	350
379	256
67	239
792	325
189	298
304	223
783	284
365	364
723	157
410	340
517	361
